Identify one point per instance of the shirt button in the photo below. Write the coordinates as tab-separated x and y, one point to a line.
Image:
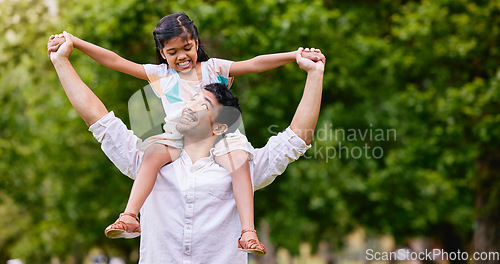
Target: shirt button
186	248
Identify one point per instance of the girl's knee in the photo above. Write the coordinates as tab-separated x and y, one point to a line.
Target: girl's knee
159	154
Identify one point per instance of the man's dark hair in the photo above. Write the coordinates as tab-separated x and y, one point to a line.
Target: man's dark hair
230	114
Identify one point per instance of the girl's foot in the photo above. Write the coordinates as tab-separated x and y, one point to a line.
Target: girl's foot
126	226
249	242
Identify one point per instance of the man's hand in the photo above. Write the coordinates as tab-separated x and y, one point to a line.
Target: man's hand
309	65
56	48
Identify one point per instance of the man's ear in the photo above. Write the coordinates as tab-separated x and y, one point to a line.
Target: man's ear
220	129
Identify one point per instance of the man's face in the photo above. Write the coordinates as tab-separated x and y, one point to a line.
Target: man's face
198	115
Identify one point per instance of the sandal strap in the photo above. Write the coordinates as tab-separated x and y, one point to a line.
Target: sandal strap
248	230
258	244
120	225
252	245
129	214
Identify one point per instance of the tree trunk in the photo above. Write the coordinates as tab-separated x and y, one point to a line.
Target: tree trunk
452	242
487	233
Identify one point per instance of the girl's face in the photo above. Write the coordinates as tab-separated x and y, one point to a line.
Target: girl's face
181	55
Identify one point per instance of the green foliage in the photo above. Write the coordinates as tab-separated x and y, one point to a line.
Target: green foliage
426	69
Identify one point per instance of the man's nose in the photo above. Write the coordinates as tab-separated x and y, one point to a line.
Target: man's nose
192	106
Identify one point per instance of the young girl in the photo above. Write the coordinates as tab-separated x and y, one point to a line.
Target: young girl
183	69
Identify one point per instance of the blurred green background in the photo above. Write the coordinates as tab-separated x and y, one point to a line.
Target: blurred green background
426	70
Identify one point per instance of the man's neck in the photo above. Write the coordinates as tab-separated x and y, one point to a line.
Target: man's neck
198	149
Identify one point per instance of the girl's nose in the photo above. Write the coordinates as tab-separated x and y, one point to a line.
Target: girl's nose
182	55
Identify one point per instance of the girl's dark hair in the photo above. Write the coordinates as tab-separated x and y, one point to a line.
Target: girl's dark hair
176	25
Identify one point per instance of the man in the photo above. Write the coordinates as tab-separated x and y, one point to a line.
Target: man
190	216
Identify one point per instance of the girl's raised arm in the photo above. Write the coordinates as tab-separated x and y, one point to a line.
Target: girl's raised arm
103	56
270	61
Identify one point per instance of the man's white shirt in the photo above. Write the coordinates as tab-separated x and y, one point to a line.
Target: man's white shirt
190	215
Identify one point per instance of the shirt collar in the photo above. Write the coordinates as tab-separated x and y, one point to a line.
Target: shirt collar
201	163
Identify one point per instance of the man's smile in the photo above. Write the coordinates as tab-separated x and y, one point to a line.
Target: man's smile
188	116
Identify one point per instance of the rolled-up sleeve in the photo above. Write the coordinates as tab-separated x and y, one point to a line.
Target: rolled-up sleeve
272	160
118	143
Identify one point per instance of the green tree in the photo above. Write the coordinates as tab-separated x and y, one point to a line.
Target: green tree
427	70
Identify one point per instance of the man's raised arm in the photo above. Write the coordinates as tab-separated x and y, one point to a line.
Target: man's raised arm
85	102
306	116
286	147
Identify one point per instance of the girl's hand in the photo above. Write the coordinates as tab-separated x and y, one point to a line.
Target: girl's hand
63	50
314	55
55	41
309	65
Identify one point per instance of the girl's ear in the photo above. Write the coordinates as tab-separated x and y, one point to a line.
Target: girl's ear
219	129
163	55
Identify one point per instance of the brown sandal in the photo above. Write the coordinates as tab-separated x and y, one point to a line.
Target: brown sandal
252	245
120	229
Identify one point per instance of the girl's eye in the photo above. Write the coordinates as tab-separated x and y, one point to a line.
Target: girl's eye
171	54
188	49
204	106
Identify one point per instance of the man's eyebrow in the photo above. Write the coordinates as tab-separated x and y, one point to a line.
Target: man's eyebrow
209	101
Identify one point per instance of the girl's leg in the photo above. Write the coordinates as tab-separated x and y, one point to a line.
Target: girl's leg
236	162
155	156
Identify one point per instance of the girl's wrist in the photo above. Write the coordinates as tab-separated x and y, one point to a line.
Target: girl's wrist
76	41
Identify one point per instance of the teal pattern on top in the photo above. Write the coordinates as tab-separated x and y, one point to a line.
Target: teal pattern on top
173	94
222	80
